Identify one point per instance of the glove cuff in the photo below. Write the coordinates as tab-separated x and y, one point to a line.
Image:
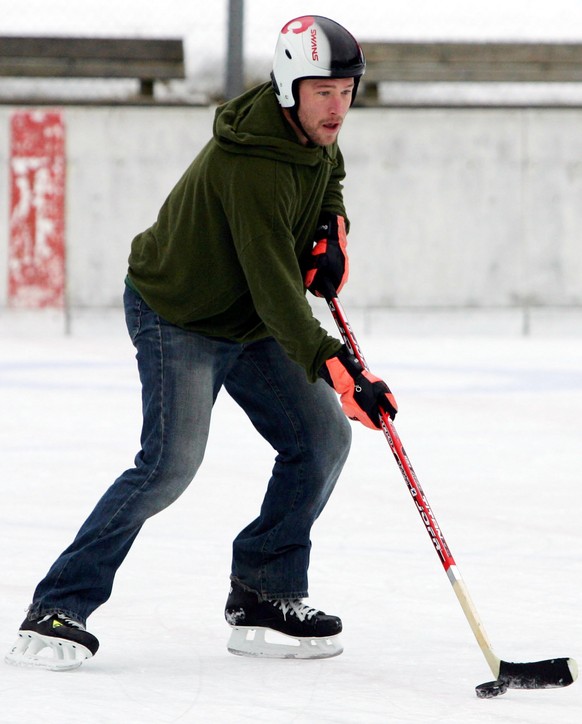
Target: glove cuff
344	365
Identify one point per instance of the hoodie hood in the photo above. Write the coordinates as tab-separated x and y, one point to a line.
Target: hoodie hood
254	124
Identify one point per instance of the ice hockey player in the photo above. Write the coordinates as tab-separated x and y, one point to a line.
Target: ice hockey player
215	297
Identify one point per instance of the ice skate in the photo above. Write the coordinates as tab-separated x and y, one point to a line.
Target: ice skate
279	628
54	642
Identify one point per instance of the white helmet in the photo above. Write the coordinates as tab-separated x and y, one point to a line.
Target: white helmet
312	46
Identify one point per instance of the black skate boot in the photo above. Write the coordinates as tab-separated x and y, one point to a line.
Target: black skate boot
281	628
55	642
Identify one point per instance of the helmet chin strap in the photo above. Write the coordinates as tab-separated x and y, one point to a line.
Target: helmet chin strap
294	112
294	109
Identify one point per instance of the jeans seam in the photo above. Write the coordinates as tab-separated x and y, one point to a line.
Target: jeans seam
300	446
155	470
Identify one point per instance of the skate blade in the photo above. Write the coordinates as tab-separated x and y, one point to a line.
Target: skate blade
46	652
267	643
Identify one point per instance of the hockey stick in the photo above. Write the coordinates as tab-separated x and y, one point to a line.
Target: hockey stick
550	673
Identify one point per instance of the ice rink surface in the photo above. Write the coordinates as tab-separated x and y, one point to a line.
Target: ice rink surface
492	426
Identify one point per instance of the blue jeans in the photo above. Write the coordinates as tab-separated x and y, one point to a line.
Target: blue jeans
181	374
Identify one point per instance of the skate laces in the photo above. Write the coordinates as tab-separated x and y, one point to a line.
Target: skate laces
68	621
294	607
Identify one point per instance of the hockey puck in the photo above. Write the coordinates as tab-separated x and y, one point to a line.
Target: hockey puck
491	688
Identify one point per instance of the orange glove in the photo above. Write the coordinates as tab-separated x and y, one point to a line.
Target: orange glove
329	266
362	394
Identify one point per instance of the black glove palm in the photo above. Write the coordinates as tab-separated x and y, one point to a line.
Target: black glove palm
329	266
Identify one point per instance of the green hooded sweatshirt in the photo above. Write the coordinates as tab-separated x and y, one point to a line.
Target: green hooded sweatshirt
225	257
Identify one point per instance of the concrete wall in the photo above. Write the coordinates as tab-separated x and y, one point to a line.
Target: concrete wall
466	207
449	207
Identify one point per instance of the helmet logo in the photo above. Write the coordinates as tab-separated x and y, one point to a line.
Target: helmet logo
304	23
314	53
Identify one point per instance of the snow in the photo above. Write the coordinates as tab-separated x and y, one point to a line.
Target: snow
491	424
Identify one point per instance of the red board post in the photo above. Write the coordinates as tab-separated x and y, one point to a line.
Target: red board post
36	250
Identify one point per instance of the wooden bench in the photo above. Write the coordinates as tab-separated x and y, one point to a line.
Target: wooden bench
148	59
469	62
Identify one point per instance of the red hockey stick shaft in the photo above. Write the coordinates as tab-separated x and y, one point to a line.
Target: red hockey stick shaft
396	446
420	500
550	673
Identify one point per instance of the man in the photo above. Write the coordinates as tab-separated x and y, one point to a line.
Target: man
215	297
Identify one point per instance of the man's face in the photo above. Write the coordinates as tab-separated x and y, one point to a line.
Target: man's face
323	104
